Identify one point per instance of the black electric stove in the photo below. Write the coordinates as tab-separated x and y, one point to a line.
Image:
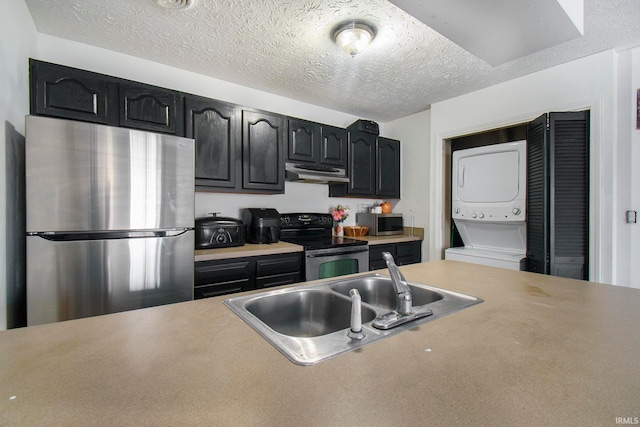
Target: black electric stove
312	231
325	256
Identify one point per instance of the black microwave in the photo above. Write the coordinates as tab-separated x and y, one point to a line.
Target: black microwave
381	224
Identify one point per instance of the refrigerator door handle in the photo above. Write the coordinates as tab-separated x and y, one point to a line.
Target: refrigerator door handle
98	235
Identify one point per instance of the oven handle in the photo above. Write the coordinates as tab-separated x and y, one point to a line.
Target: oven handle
332	252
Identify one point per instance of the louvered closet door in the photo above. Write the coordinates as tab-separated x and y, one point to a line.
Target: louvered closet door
558	194
569	181
537	196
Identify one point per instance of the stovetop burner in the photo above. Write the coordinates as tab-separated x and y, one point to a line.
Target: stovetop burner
311	243
313	231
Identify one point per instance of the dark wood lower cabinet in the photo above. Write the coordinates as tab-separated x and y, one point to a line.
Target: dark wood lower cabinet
221	277
213	278
403	253
276	270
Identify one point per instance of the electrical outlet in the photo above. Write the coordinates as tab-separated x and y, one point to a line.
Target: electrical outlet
632	217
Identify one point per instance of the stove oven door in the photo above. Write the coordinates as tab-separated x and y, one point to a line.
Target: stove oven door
338	261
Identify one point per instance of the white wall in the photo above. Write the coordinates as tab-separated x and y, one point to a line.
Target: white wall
633	140
298	197
586	83
17	43
622	199
413	132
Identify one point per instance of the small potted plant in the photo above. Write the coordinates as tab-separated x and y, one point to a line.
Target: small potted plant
339	214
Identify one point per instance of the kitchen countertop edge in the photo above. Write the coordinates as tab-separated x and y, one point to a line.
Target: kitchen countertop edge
250	249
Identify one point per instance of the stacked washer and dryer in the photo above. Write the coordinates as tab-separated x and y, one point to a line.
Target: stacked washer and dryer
488	205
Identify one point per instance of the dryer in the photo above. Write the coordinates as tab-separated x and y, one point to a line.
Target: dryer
488	204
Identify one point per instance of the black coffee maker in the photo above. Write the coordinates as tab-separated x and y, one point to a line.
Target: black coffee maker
263	225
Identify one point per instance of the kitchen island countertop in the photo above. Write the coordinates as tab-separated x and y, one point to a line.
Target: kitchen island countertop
539	350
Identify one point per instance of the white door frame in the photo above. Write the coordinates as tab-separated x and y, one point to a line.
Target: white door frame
599	225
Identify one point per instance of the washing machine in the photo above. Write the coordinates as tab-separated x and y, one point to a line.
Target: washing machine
488	204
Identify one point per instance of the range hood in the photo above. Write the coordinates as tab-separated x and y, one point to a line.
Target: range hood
314	173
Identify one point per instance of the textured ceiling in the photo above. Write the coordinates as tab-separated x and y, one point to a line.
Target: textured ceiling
284	47
506	31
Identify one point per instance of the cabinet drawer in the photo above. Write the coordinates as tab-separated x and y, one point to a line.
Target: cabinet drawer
405	250
209	291
377	265
273	265
405	260
278	280
210	272
375	251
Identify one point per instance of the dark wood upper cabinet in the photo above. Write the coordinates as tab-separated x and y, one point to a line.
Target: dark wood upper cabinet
215	127
374	168
304	141
70	93
317	144
263	151
150	108
334	146
240	150
388	168
362	161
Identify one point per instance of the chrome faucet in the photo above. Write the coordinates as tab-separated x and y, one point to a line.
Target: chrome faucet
404	299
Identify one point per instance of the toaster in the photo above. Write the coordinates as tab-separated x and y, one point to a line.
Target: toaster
215	231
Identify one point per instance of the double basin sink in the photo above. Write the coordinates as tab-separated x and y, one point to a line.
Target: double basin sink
309	323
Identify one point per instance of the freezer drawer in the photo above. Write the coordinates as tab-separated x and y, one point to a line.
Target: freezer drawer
82	278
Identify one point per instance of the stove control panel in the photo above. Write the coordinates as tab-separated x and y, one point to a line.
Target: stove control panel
305	220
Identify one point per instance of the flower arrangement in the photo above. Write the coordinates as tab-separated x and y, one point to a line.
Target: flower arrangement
339	213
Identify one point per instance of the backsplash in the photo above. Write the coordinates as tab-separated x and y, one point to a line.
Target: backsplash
298	197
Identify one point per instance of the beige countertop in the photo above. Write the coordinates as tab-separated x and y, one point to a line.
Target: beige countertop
539	350
380	240
250	249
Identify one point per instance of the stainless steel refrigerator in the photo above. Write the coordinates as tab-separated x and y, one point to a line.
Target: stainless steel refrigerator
110	216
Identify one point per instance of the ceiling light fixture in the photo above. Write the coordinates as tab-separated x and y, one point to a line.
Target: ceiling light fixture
176	4
353	36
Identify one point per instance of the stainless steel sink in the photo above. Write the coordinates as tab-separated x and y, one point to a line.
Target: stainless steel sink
309	323
305	313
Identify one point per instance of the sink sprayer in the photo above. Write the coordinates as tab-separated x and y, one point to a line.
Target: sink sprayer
355	331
